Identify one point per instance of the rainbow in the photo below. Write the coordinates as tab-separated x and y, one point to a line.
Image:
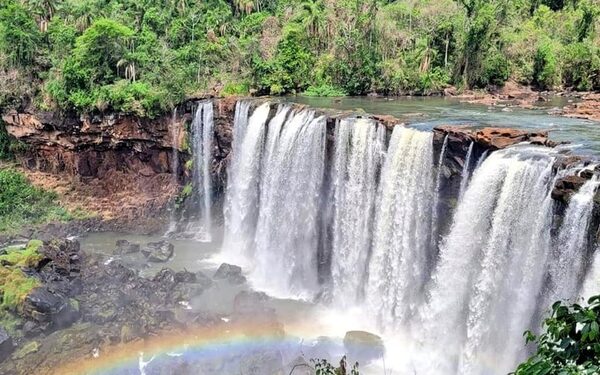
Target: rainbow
198	344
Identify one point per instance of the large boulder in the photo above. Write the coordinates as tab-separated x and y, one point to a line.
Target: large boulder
158	252
231	273
566	186
50	309
6	344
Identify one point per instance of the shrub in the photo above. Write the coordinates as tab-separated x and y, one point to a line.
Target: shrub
324	90
546	71
581	66
495	69
570	343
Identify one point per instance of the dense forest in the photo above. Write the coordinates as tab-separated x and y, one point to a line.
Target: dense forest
143	56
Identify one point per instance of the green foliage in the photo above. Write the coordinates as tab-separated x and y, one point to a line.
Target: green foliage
324	90
239	88
19	35
581	67
570	343
145	56
290	69
323	367
8	145
546	73
22	204
15	283
183	195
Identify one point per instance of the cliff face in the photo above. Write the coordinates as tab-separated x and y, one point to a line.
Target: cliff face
93	146
119	167
125	167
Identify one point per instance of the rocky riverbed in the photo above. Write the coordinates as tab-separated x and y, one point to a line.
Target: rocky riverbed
78	303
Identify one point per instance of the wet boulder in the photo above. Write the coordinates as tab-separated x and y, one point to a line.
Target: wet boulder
199	278
231	273
158	252
124	247
45	307
165	276
567	186
185	277
6	344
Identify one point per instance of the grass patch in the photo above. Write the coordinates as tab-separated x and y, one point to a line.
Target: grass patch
15	283
22	203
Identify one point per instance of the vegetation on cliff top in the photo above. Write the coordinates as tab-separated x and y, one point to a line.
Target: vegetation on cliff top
22	203
143	56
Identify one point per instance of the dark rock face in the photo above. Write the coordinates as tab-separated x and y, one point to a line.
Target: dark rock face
6	345
158	252
231	273
567	186
49	309
90	146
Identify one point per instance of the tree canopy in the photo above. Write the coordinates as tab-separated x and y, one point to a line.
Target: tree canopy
144	56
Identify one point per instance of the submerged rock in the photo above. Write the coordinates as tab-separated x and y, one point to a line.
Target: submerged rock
158	252
125	247
231	273
6	344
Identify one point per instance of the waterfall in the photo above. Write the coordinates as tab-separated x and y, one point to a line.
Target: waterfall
359	147
287	233
436	197
491	265
571	246
202	142
465	172
481	158
401	251
174	132
591	285
363	225
241	212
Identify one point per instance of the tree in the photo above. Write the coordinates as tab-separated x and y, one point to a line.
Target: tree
570	343
98	51
19	35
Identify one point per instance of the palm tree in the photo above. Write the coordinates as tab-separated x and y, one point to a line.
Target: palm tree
42	10
313	14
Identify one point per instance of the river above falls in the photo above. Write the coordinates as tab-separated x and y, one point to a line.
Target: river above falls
425	113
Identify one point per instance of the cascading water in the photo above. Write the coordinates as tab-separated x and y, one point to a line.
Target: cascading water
287	232
359	147
571	246
466	172
401	243
241	212
591	285
174	131
498	230
375	212
436	197
202	137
